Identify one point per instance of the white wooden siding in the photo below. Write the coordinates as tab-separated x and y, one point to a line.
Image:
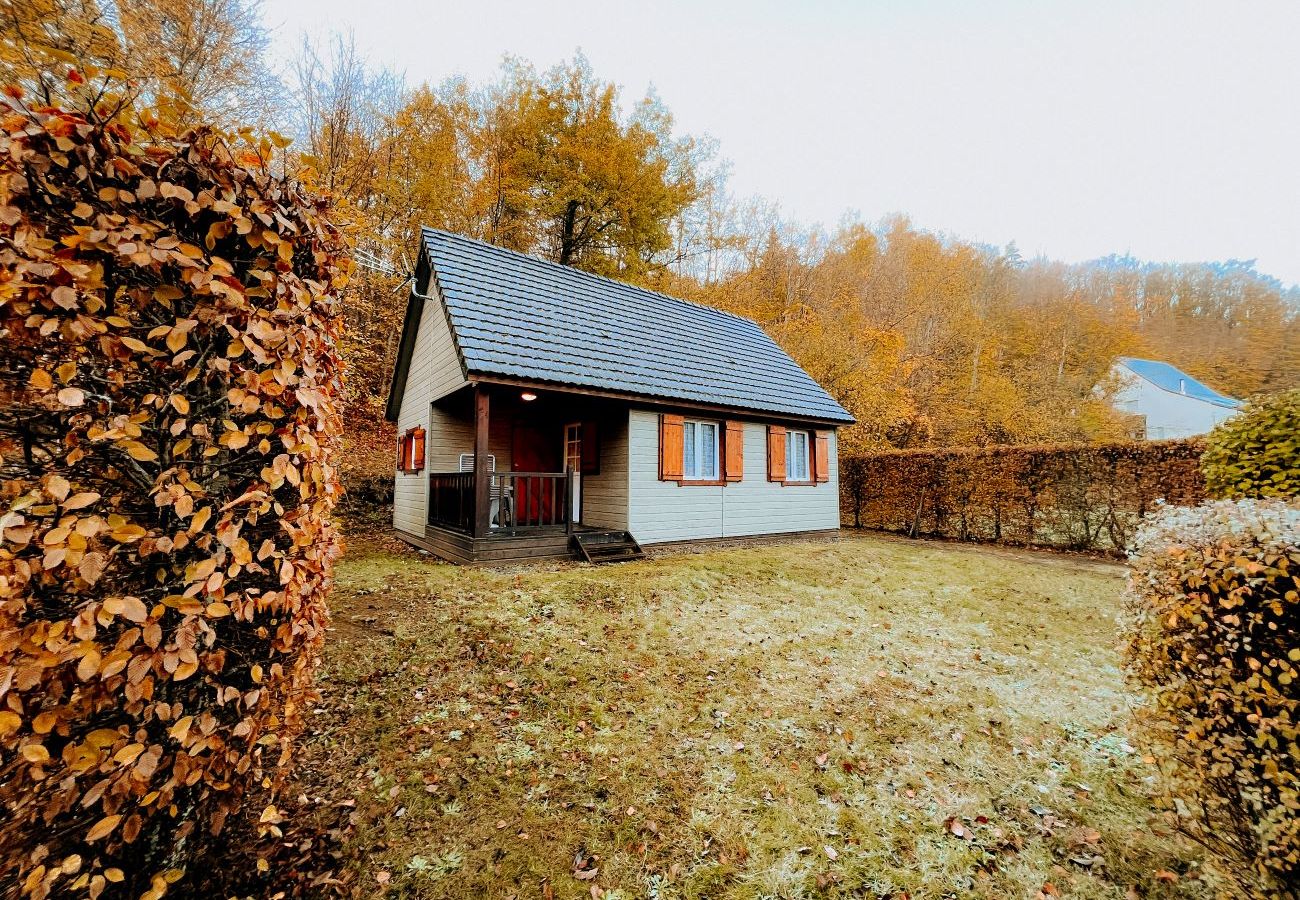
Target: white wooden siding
662	511
434	373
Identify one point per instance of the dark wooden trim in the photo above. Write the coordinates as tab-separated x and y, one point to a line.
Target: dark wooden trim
800	483
697	482
656	403
482	482
463	549
405	350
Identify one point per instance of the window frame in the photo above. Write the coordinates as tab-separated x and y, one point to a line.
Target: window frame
695	443
792	473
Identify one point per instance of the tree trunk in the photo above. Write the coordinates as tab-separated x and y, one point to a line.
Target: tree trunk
567	244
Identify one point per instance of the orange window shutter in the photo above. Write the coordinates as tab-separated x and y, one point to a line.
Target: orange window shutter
671	456
822	460
734	444
775	453
401	453
417	450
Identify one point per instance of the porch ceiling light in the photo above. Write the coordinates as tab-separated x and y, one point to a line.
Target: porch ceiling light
528	395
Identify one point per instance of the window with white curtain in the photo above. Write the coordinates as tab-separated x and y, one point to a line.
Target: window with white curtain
796	456
700	450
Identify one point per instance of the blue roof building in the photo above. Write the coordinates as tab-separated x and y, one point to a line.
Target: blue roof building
1167	402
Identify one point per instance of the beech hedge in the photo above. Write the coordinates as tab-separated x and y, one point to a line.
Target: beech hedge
169	412
1070	496
1214	640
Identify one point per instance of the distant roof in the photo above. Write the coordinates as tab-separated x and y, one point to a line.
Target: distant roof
1175	380
517	316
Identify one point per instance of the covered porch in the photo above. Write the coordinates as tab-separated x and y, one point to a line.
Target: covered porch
515	471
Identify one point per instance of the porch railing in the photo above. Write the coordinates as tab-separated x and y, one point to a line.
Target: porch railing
451	500
516	500
531	499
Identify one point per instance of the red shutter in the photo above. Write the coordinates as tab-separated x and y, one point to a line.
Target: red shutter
671	449
822	458
775	453
590	449
401	453
417	450
734	446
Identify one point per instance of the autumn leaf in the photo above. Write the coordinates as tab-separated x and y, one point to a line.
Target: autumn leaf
92	566
57	487
35	754
81	500
88	665
103	828
130	608
138	451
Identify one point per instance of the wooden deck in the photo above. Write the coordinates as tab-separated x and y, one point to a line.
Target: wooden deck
501	546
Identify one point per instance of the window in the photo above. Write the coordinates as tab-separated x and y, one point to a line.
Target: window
410	451
700	450
796	456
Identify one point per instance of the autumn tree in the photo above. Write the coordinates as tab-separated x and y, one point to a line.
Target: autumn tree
925	337
191	60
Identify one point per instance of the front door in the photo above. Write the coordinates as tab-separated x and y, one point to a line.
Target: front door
533	449
573	463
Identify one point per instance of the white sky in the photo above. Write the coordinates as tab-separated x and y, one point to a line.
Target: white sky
1170	130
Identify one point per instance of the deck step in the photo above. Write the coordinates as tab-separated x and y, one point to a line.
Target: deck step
607	546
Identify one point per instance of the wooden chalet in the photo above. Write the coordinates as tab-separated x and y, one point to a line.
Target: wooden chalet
545	412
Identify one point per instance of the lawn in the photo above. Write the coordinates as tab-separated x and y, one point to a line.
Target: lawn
867	718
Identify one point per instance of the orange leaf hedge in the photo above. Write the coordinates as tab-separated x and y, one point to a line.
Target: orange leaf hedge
1071	496
1214	640
170	412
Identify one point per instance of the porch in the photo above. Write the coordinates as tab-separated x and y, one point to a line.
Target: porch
514	473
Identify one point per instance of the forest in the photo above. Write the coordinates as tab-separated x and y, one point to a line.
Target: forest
928	339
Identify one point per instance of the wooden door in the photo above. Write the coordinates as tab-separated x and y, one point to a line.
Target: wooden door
535	448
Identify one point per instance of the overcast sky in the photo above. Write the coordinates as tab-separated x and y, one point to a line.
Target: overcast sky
1169	130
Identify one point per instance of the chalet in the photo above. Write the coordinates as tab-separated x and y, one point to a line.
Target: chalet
1166	402
546	412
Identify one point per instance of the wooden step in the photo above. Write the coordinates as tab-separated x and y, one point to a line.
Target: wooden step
607	546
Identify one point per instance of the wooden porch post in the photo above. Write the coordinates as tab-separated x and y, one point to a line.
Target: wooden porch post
569	512
482	477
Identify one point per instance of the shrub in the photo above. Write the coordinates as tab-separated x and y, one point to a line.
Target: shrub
1214	615
1256	453
169	418
1072	496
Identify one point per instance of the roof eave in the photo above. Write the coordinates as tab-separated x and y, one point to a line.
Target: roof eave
405	350
484	377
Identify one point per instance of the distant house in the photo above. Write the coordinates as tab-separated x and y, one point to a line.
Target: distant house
1165	401
543	412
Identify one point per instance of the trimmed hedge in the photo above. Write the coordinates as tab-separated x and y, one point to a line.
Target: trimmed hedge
1256	453
169	423
1087	497
1213	618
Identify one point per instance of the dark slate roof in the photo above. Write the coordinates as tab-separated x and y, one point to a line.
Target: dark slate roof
521	317
1175	380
